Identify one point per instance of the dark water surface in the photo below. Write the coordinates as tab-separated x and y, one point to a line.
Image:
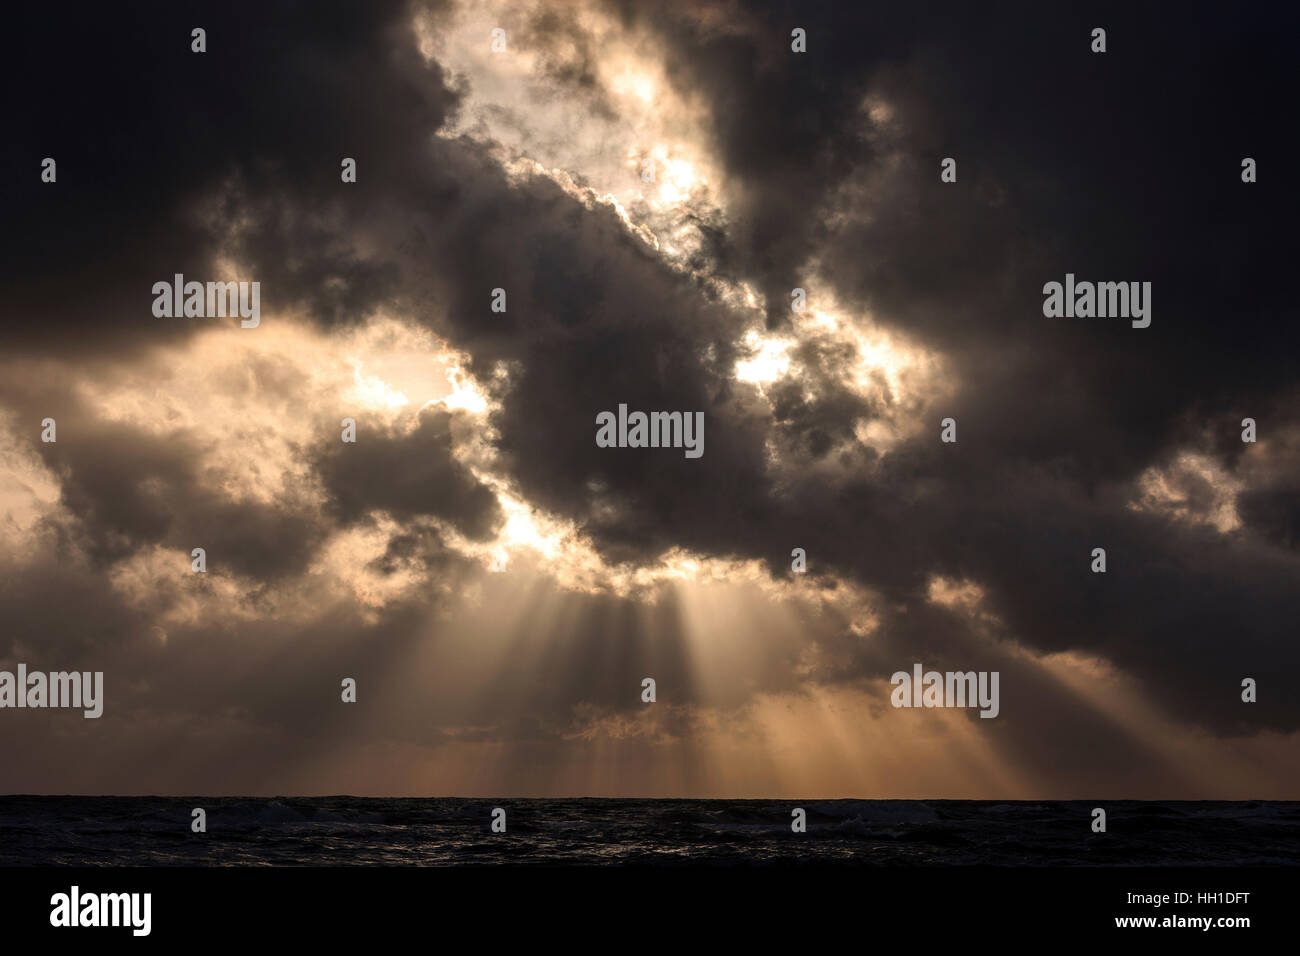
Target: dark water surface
347	831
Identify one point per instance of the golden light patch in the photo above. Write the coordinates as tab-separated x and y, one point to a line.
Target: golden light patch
602	132
1192	488
29	492
770	358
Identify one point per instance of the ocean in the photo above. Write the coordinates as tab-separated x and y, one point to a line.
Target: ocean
352	831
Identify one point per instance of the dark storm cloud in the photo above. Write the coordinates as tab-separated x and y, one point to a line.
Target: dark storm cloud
1117	167
64	616
126	488
1270	504
595	320
812	423
143	130
1124	165
407	475
784	125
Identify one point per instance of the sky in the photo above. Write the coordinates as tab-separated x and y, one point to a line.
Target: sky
648	184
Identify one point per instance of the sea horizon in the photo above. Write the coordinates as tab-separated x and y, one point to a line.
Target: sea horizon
43	830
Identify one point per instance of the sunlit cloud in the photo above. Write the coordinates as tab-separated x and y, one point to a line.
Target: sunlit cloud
1193	488
636	142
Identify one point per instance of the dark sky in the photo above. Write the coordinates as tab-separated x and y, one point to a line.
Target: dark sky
498	584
